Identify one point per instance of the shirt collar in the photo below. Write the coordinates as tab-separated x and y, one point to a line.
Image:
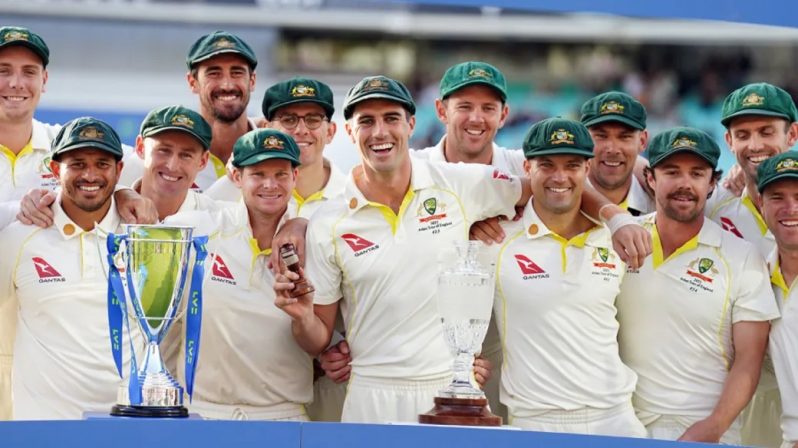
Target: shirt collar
534	228
420	178
40	138
68	229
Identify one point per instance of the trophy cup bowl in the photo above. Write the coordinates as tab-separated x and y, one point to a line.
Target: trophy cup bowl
465	300
156	260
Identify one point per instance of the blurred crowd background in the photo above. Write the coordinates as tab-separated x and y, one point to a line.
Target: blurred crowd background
117	59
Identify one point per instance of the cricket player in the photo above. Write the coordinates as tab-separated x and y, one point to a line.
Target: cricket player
695	317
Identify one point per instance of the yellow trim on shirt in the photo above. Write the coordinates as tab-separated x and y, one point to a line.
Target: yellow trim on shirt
300	201
218	166
257	251
577	241
777	279
500	291
749	204
657	254
393	218
726	302
12	158
625	203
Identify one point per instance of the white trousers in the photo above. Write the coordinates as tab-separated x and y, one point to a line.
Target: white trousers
382	400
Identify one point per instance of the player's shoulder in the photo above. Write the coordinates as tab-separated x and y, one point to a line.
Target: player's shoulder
16	235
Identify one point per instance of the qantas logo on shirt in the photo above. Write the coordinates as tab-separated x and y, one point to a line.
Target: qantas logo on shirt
500	175
727	224
47	273
220	272
358	244
529	268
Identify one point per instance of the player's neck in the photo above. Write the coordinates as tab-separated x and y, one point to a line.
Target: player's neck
674	234
312	178
615	195
566	225
16	135
167	204
484	157
225	135
387	188
84	219
264	226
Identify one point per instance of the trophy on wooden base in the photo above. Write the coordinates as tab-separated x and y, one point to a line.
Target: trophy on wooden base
465	299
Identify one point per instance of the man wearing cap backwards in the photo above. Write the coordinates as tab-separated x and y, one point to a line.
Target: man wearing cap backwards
62	357
222	72
617	124
778	189
694	318
760	121
240	375
562	371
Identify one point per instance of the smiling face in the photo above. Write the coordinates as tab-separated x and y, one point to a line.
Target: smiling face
22	81
266	186
557	182
172	160
381	130
87	177
755	138
472	116
224	84
311	142
780	211
681	183
616	149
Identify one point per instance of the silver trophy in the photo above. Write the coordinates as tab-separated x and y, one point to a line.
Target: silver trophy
465	301
148	268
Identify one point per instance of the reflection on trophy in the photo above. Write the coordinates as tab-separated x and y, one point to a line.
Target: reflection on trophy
465	299
155	265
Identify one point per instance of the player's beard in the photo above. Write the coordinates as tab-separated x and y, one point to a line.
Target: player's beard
229	113
682	215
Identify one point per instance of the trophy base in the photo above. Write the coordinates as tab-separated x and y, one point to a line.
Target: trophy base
121	410
460	411
301	287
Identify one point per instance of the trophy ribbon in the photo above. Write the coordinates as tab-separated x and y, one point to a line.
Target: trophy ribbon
194	315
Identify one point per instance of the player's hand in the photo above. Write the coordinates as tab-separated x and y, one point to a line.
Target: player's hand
336	362
633	243
293	231
735	180
34	208
489	231
134	208
706	430
298	308
482	370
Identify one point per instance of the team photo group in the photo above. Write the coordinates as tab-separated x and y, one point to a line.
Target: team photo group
638	290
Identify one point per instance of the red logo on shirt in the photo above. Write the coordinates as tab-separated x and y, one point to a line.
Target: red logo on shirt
528	267
220	272
500	175
727	224
44	269
356	243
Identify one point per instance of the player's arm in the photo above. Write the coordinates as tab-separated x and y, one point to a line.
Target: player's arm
750	341
311	324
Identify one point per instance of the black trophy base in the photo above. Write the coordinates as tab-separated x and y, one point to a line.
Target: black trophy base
120	410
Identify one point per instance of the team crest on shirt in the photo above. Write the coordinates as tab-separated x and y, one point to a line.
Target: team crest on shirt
603	263
46	176
529	269
700	274
46	272
358	244
221	273
431	214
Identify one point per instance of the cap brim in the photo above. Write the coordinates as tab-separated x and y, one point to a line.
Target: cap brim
157	131
713	164
565	150
607	118
260	157
328	108
117	153
762	112
30	46
212	54
378	96
779	176
465	84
